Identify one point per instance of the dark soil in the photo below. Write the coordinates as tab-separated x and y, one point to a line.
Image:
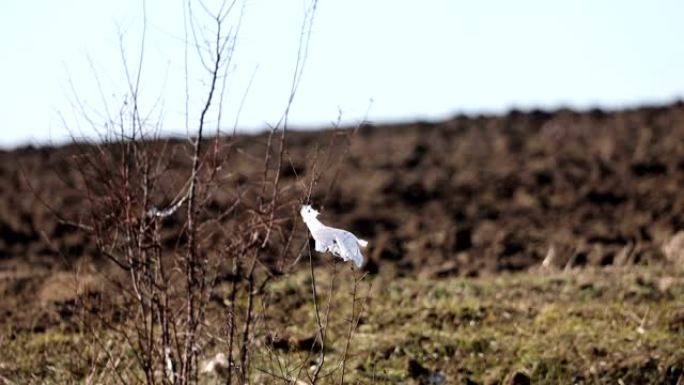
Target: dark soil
467	196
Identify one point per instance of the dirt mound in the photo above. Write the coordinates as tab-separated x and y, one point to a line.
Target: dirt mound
470	195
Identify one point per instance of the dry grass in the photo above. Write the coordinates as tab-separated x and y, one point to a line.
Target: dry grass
589	326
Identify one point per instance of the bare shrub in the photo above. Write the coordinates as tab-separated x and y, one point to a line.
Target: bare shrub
194	243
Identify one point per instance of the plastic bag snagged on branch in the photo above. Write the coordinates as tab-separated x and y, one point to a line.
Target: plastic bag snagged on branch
339	242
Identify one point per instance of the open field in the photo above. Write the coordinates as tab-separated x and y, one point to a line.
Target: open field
537	247
468	196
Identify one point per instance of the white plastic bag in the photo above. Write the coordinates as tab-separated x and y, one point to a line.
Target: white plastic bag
339	242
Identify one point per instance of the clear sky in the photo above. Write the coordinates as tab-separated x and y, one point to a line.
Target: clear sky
385	60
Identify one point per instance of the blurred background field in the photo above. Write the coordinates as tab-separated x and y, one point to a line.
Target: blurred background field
538	245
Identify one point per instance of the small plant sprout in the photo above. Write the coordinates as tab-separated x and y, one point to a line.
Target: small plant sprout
339	242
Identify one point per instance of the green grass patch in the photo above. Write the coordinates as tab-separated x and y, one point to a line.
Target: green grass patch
586	327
